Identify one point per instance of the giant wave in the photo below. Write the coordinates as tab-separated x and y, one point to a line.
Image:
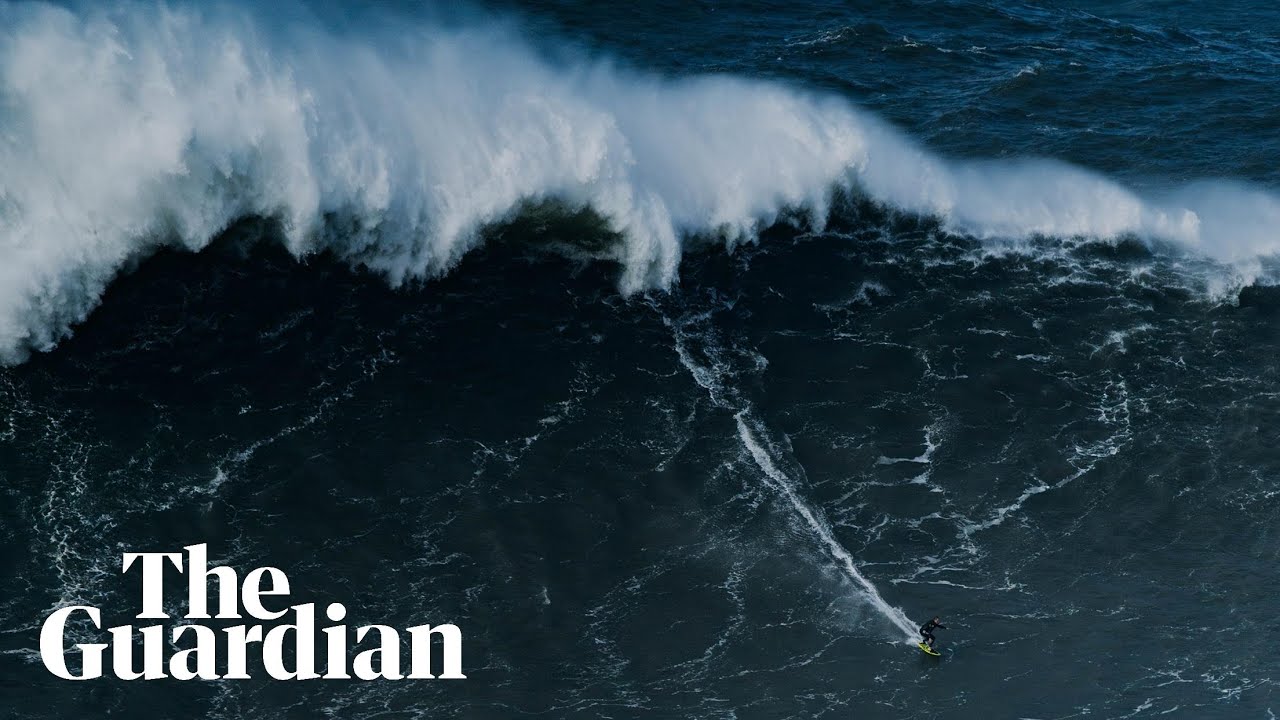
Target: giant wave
135	126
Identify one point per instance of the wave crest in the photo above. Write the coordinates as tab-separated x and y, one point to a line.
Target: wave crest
135	126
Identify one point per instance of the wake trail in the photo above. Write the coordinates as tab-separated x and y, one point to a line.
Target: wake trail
779	482
751	434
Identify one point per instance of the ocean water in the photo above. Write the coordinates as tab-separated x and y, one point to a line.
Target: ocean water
687	356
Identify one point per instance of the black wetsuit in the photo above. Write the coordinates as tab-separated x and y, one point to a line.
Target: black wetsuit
927	631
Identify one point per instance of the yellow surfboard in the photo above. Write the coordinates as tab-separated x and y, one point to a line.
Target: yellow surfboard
929	650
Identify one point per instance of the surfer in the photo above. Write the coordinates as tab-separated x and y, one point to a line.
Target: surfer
927	629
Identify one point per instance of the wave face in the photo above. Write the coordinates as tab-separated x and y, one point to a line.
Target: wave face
136	126
733	499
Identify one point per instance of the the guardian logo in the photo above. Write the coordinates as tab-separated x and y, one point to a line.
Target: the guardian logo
230	647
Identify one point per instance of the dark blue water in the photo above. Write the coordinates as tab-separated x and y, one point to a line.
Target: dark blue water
687	356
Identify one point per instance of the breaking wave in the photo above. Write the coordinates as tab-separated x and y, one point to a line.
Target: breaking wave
134	126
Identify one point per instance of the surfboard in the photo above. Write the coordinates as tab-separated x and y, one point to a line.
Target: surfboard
928	650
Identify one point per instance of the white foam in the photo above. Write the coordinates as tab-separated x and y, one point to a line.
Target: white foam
924	458
133	125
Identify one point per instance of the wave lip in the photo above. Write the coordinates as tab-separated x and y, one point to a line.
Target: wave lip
133	126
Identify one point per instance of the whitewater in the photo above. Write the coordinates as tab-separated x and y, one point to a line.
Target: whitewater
129	127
